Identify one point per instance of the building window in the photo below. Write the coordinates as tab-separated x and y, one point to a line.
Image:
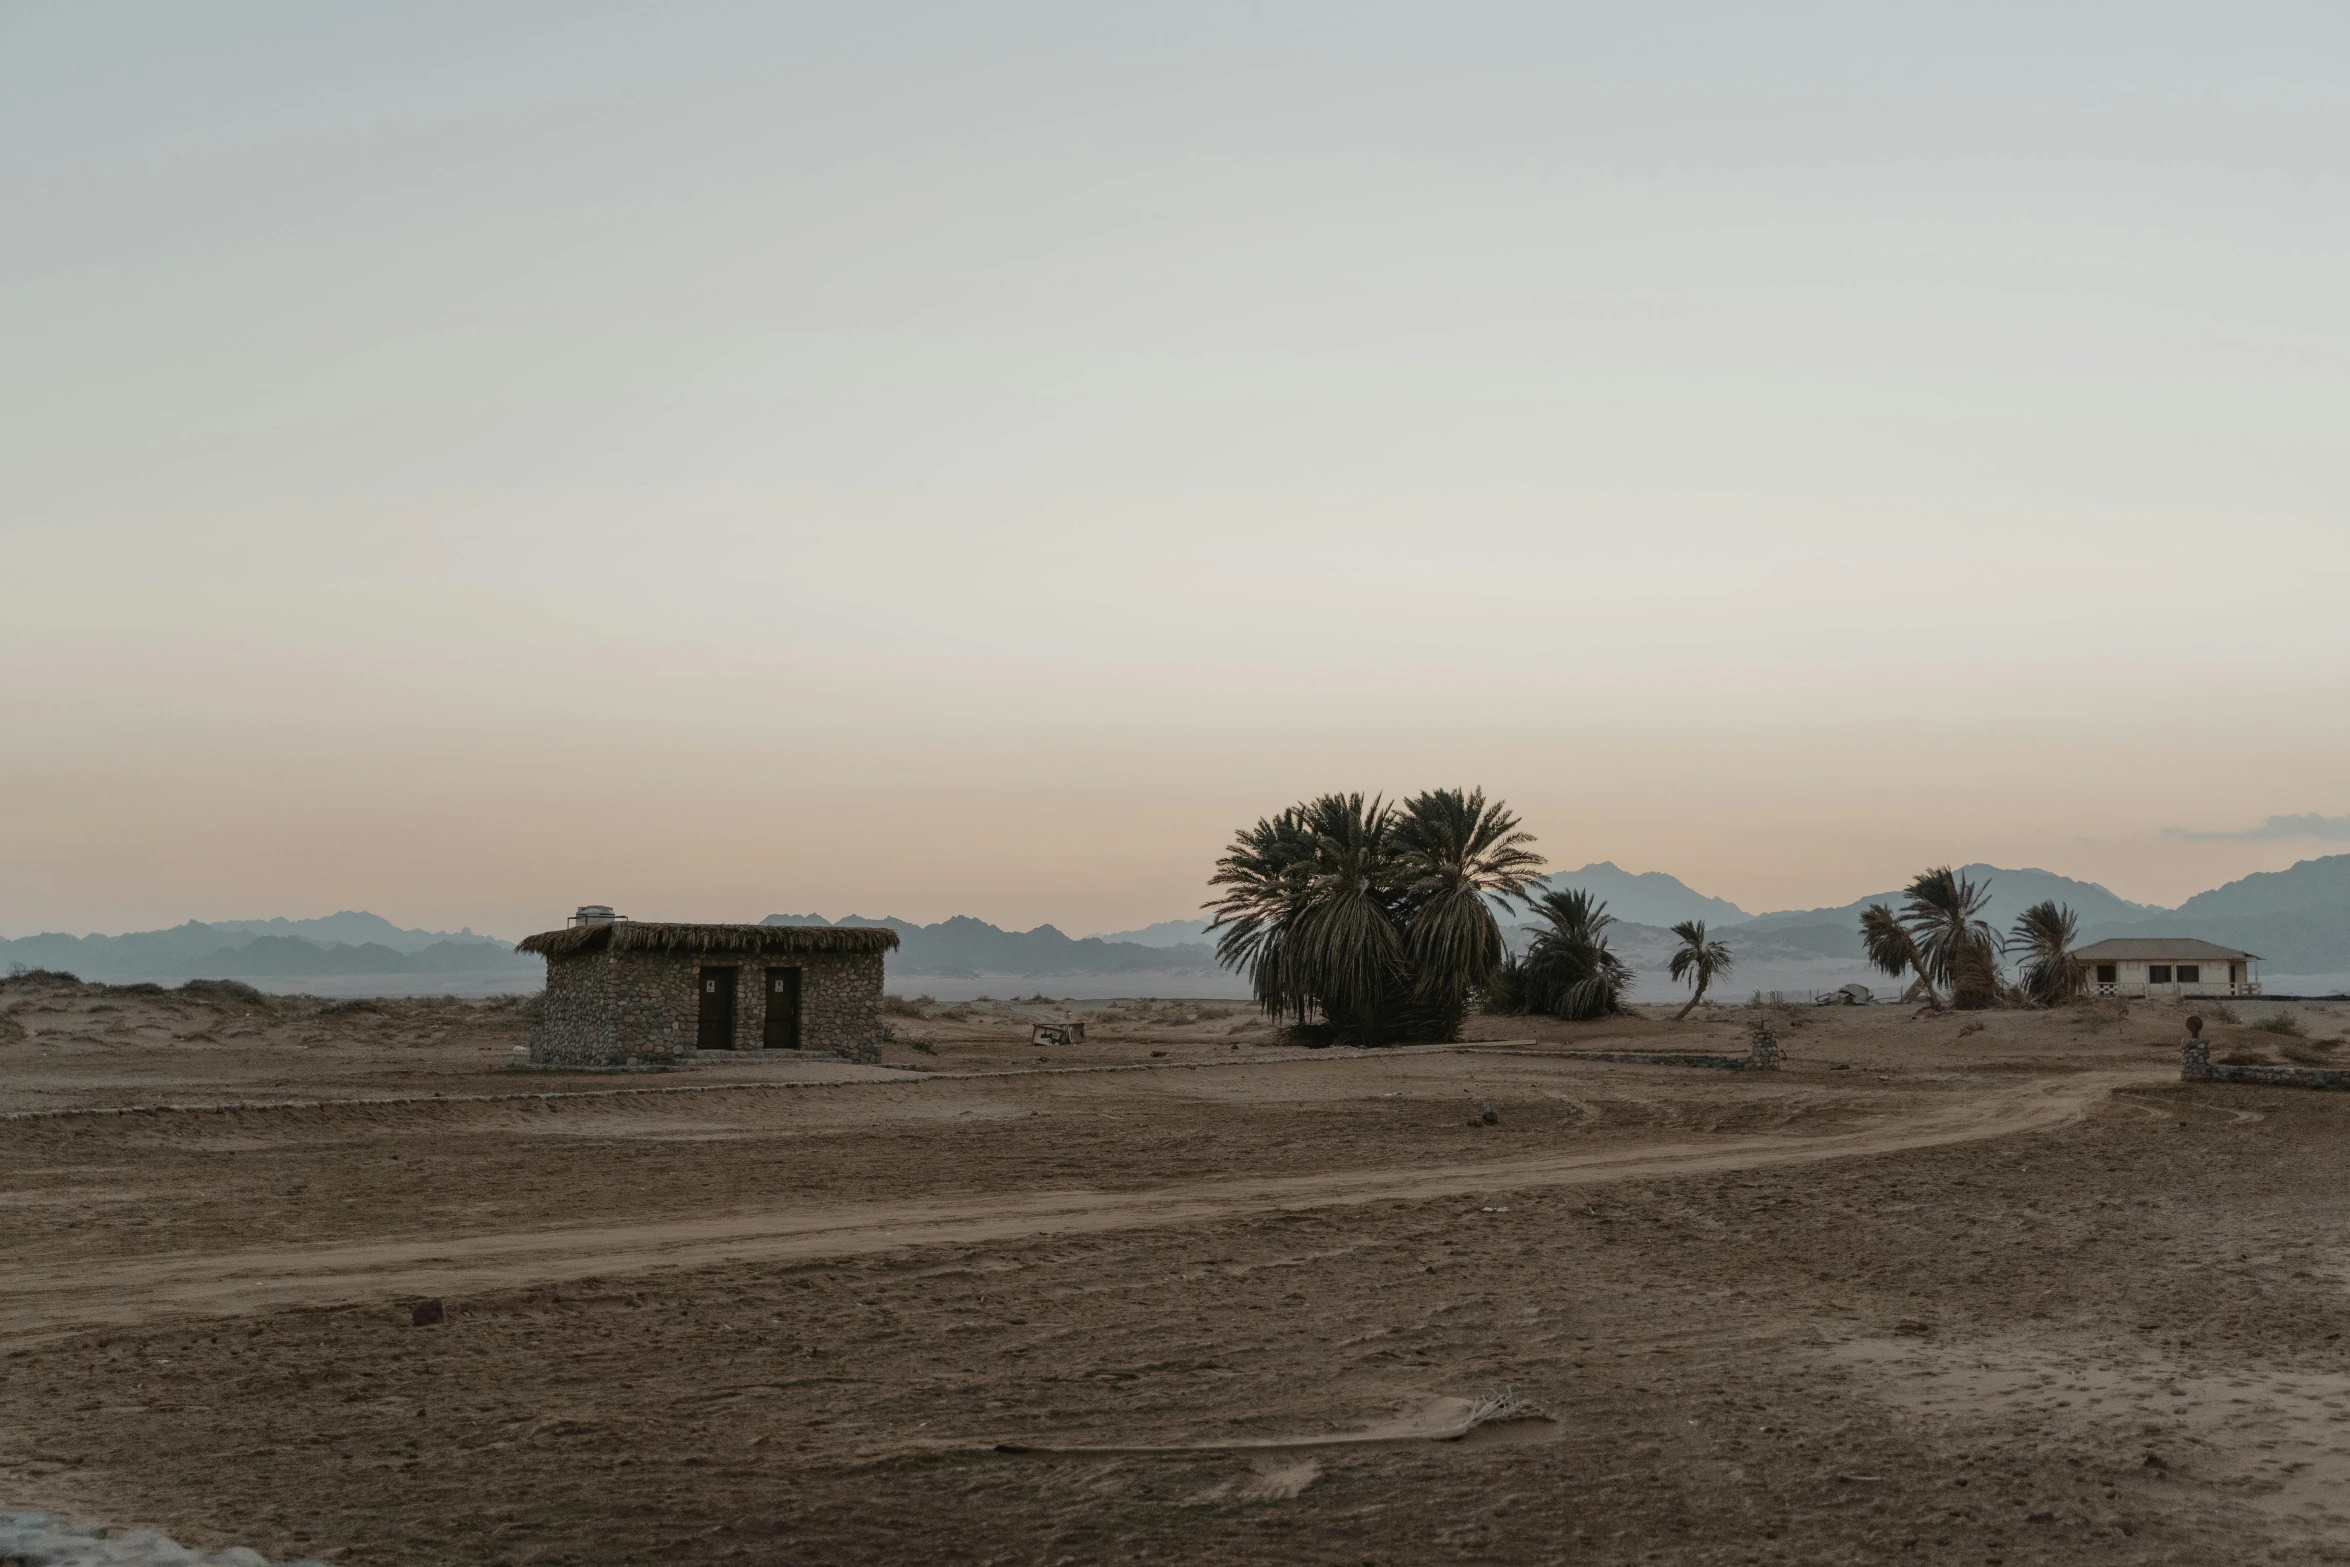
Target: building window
2104	973
2158	973
2190	974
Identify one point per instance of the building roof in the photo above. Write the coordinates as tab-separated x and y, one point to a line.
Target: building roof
2161	949
653	936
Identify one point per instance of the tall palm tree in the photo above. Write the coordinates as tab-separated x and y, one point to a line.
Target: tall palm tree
1568	970
1347	945
1700	957
1891	949
1458	856
2044	934
1944	913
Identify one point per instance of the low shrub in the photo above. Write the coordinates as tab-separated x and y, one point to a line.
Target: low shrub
19	974
228	990
2282	1021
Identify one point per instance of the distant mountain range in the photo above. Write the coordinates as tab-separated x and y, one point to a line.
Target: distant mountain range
2298	920
966	948
1646	897
339	944
1166	933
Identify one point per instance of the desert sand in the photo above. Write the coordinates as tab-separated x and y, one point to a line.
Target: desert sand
1945	1288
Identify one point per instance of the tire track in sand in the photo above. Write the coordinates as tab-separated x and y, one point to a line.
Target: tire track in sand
40	1302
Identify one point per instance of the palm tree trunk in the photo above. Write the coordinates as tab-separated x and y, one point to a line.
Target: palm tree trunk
1693	1001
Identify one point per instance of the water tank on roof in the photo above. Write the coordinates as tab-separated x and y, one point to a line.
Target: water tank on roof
595	914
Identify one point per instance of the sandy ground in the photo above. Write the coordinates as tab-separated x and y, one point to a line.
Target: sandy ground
1947	1289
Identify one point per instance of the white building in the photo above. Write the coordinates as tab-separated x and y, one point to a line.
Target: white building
2168	967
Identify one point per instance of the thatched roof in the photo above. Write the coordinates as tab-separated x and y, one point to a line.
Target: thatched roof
748	940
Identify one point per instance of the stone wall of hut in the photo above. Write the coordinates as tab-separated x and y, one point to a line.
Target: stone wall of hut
617	1008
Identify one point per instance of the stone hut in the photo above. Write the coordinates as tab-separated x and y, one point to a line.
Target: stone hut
622	991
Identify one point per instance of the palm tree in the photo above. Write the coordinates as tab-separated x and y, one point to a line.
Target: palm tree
1347	947
1458	856
1956	945
1264	876
1568	970
2044	934
1700	957
1891	949
1372	916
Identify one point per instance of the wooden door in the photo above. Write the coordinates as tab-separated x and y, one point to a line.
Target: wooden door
717	1031
783	1009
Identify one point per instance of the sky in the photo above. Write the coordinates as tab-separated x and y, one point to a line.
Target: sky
464	461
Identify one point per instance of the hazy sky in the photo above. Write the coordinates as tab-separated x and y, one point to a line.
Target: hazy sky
468	460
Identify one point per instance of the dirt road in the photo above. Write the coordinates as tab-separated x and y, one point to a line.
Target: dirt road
37	1302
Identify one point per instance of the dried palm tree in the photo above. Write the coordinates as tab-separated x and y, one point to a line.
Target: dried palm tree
1457	856
1956	945
1698	958
1891	949
2044	934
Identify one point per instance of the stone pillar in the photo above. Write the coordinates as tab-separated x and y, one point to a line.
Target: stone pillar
1762	1052
2194	1054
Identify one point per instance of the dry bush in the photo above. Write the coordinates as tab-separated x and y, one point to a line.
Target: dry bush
899	1006
2221	1012
2314	1052
2282	1021
38	978
225	991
